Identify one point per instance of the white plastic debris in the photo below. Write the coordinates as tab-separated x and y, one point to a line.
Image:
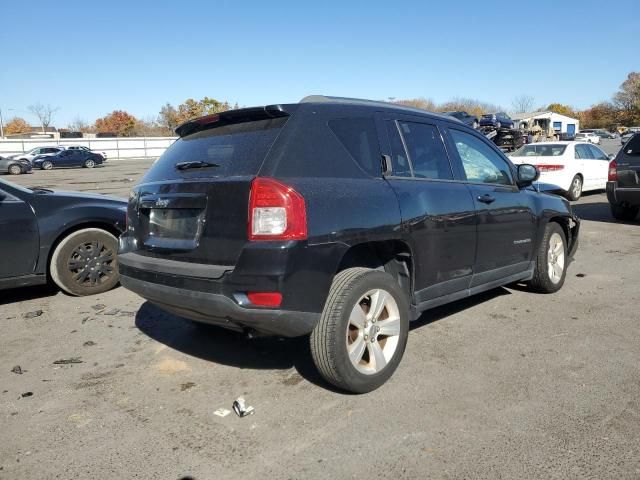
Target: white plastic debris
222	412
241	409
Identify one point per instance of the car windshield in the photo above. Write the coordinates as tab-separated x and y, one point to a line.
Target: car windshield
488	115
549	150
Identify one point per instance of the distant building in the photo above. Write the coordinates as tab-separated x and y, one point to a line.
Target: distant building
36	132
550	122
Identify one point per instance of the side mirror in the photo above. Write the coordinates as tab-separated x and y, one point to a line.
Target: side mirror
527	174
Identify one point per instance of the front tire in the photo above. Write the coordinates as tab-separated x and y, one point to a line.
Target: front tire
575	190
85	263
625	214
362	333
551	260
46	165
15	169
89	163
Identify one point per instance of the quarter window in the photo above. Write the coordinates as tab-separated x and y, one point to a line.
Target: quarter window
426	151
480	162
360	139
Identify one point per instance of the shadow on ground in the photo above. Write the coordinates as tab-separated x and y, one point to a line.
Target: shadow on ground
230	348
597	212
22	294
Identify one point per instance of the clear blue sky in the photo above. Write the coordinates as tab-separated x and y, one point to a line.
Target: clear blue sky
89	58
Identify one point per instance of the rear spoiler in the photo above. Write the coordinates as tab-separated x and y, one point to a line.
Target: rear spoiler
233	116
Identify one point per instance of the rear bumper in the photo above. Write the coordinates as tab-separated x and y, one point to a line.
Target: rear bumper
217	294
622	195
218	309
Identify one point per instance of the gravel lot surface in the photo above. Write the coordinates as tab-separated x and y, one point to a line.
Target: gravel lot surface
509	384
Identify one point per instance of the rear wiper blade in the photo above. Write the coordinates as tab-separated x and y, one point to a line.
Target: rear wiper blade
197	164
41	189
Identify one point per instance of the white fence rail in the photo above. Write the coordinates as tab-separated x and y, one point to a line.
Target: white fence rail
129	147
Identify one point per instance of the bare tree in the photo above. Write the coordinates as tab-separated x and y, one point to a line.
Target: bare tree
523	103
44	113
79	125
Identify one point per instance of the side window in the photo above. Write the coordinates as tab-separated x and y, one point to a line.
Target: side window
426	151
597	153
399	159
583	152
360	139
480	162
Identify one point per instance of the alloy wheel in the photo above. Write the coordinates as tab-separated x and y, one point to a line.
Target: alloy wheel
373	331
555	258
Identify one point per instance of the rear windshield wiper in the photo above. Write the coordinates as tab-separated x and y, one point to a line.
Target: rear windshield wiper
41	190
197	164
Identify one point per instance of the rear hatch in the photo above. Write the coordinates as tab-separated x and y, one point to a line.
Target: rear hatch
192	204
628	163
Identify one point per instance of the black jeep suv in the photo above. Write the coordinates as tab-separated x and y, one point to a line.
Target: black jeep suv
623	186
343	219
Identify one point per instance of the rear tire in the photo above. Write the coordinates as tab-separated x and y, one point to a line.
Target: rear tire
362	333
625	214
551	260
575	190
85	262
15	169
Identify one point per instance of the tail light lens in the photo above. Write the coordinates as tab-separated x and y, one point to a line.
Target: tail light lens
613	171
276	211
550	168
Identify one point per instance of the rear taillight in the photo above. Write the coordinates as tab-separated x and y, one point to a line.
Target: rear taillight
613	171
550	168
276	211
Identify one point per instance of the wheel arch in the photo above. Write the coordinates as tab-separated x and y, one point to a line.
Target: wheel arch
392	256
568	228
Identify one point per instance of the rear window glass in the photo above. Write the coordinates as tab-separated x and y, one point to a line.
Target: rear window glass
633	146
237	150
532	150
360	139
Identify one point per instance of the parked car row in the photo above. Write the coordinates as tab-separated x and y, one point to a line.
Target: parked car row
47	158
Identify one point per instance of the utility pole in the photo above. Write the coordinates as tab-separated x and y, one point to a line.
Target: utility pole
1	126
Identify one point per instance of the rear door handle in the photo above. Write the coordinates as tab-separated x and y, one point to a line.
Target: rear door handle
486	198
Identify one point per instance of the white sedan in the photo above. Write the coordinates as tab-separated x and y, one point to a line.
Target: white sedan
572	167
588	137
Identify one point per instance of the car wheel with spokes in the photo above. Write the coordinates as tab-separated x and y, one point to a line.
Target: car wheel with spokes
551	260
575	190
85	263
89	163
361	336
46	165
15	169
